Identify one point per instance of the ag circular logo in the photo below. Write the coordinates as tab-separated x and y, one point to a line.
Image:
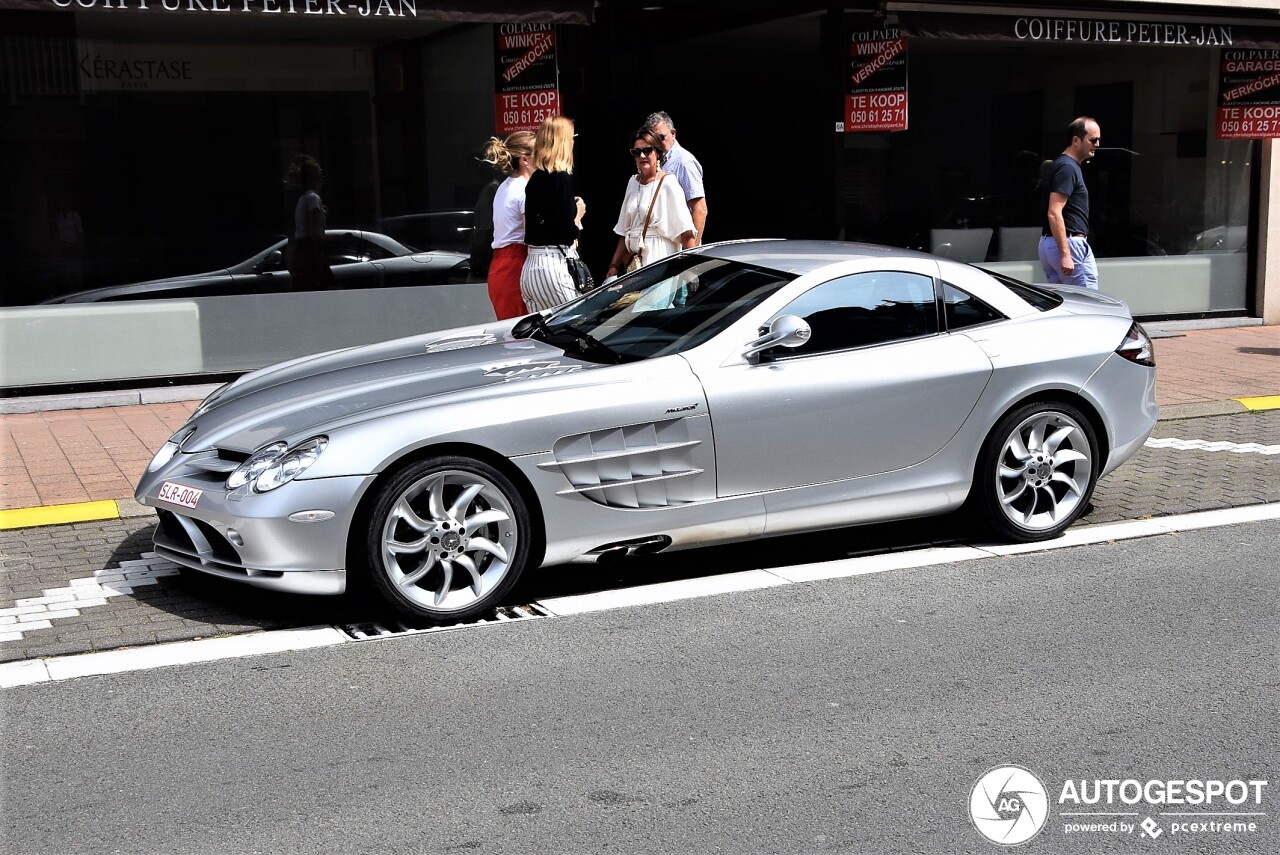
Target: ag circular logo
1008	805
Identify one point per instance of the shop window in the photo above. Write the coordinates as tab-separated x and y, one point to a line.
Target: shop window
1169	201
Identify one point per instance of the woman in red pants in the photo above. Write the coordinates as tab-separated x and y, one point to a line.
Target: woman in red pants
514	157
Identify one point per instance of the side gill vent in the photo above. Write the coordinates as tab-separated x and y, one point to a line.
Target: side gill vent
638	466
460	342
392	628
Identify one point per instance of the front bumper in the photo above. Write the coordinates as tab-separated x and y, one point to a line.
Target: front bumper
250	538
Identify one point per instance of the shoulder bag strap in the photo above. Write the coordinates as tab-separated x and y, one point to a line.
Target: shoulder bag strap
644	230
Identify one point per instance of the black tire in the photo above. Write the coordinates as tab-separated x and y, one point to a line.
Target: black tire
1036	472
447	538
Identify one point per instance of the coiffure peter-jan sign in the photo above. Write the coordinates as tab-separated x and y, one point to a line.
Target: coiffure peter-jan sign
1121	32
1054	29
350	8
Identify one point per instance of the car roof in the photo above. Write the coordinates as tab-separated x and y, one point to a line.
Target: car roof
803	256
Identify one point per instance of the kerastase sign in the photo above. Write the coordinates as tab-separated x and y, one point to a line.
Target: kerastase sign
1249	94
527	77
877	96
157	67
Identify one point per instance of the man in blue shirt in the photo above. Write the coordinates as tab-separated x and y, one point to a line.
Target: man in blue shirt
1065	255
681	163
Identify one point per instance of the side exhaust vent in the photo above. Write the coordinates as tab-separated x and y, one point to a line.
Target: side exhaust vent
627	548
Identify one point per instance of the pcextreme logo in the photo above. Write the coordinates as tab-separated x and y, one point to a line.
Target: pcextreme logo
1009	805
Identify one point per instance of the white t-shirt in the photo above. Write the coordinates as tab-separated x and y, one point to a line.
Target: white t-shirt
508	212
307	203
669	220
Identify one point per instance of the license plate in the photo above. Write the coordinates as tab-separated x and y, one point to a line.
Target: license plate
179	494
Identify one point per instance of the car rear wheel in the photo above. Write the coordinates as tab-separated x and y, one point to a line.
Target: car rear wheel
448	538
1037	471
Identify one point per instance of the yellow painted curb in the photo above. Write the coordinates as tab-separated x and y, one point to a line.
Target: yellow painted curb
1268	402
58	514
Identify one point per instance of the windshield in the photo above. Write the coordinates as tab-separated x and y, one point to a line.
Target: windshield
667	307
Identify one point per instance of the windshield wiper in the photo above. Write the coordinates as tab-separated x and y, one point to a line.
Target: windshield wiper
566	337
585	343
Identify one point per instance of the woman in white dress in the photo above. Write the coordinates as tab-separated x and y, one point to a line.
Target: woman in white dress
654	221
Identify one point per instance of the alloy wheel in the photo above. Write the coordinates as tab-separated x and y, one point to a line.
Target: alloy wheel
1045	471
448	542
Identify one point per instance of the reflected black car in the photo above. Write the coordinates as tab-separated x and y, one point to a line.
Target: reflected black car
359	259
451	230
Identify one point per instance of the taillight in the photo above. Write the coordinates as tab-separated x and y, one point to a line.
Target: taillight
1137	346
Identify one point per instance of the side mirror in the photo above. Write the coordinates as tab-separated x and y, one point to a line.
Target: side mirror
273	261
784	331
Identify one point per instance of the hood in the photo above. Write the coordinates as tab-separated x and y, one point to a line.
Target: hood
294	400
109	292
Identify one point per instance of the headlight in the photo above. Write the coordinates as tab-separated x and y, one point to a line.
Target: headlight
293	464
170	448
275	465
255	465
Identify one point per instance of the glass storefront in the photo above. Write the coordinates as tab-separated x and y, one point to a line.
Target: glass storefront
1170	203
148	207
145	160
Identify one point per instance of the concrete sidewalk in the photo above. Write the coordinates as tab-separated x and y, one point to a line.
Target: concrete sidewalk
77	458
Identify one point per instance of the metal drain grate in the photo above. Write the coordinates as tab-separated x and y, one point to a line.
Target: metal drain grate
388	629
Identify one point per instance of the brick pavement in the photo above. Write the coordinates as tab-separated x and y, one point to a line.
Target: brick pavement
1161	481
159	603
1216	365
85	455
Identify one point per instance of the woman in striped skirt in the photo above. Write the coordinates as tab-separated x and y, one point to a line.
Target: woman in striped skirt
553	218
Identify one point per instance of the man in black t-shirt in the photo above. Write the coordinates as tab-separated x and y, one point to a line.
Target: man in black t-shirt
1065	255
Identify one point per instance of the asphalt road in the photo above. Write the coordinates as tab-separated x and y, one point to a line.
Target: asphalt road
850	715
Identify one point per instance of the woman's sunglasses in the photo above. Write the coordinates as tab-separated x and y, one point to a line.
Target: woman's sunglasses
641	152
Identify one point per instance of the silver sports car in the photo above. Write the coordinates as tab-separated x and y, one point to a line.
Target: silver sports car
730	392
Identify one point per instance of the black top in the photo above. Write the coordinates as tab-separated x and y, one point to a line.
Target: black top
1065	177
549	209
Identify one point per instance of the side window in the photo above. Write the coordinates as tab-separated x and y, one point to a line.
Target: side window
965	310
865	309
349	249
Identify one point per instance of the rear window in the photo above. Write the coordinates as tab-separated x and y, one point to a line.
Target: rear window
1040	298
965	310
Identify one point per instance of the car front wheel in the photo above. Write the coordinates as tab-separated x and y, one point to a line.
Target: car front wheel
1037	471
448	538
